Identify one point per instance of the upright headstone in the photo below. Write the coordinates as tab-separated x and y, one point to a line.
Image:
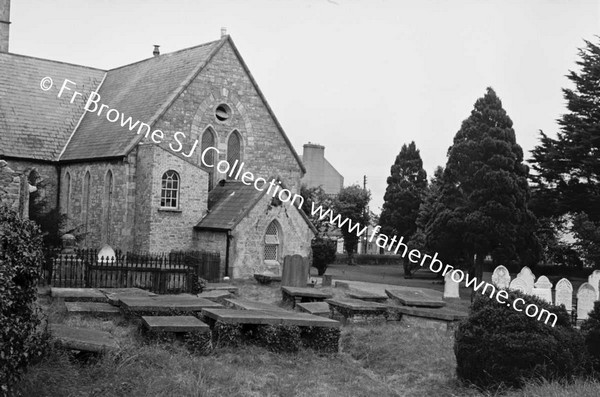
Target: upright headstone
518	284
295	271
450	287
564	294
543	289
106	254
527	276
501	277
586	295
594	280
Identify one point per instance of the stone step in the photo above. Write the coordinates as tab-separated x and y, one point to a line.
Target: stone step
415	298
174	324
94	308
78	294
82	339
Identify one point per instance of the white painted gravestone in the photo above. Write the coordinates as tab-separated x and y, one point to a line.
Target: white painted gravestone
586	295
527	276
450	287
518	284
564	294
594	281
543	289
501	277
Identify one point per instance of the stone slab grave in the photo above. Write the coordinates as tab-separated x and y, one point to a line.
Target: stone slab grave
218	296
295	271
543	289
176	324
415	298
115	294
92	308
296	295
82	339
586	295
564	294
319	333
266	278
315	308
356	309
367	296
246	304
166	304
501	277
451	287
220	287
443	319
78	294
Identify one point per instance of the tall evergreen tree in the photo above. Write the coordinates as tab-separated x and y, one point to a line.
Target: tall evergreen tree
568	167
482	206
407	184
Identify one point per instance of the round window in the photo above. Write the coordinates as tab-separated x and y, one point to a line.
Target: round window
223	113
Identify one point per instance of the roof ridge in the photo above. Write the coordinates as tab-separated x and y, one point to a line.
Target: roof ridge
52	60
167	53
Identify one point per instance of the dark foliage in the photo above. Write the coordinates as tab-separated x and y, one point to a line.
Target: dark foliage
323	253
22	335
351	204
590	329
497	346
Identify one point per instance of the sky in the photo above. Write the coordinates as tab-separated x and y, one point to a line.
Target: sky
361	77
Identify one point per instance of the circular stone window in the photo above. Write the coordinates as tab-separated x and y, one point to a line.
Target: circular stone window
223	113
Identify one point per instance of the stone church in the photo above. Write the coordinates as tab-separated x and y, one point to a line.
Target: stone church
121	188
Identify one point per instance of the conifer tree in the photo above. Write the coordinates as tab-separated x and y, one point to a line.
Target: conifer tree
482	207
407	184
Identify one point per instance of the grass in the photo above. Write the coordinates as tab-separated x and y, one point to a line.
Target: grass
391	359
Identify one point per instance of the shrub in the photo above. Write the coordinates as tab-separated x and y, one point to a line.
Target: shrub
323	251
20	260
497	346
590	329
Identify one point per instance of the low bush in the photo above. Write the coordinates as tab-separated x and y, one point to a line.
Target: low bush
323	253
496	346
23	338
590	329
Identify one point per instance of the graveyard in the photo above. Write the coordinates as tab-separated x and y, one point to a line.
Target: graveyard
254	337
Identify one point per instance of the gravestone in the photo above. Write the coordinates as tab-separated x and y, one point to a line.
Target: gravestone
594	281
518	284
106	254
586	295
295	271
501	277
527	276
543	289
450	287
564	294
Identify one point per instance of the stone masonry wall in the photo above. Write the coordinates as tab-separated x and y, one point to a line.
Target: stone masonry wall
165	230
106	224
10	186
213	242
247	245
223	80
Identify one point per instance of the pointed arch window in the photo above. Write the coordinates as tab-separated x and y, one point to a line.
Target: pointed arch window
272	242
67	202
169	193
85	204
208	140
234	152
108	199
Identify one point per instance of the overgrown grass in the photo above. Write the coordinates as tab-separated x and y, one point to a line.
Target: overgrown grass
374	360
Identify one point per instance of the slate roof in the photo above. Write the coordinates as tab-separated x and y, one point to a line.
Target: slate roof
36	124
142	90
228	203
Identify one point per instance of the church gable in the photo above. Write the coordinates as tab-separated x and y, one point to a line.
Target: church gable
224	108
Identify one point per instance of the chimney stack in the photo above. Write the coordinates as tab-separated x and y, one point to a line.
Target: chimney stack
4	24
223	32
156	52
